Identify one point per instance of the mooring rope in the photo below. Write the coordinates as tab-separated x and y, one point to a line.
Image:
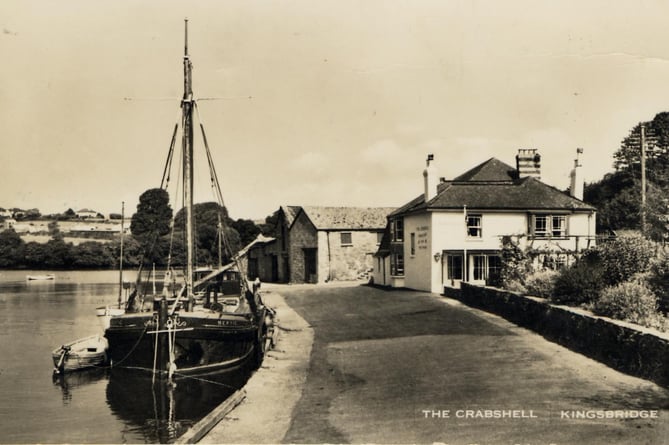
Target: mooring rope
131	350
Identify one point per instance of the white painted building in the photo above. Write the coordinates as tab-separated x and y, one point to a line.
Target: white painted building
453	231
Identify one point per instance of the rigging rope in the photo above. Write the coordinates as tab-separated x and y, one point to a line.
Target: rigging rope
216	186
168	162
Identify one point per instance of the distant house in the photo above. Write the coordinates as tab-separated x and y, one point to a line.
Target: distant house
9	223
453	231
5	213
86	214
319	244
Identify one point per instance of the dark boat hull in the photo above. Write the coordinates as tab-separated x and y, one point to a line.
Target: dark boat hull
201	343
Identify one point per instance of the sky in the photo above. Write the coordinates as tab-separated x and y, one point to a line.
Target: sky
333	103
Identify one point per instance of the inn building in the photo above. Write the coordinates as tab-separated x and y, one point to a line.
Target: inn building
453	231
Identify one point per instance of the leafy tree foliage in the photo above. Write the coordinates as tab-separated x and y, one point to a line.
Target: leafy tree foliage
629	301
625	257
269	228
151	221
206	216
153	216
92	254
580	283
247	229
516	264
11	249
617	196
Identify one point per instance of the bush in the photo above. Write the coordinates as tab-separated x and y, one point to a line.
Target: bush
658	280
516	264
542	283
515	286
630	301
578	284
624	257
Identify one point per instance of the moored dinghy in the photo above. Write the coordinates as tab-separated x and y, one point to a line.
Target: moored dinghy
88	352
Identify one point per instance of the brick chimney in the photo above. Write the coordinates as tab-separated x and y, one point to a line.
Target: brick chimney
431	179
528	163
576	186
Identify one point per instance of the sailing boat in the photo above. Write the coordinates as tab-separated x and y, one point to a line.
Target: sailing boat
105	313
176	336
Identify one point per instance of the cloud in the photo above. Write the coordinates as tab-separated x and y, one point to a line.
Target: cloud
310	161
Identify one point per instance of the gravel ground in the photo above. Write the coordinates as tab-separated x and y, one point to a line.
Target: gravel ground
272	392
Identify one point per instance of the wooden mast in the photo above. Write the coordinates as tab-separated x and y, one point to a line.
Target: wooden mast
187	144
120	259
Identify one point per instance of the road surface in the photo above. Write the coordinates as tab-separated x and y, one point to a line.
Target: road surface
396	366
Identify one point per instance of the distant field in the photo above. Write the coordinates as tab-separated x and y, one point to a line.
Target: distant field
42	239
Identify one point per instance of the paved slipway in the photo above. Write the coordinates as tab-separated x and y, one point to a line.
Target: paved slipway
357	364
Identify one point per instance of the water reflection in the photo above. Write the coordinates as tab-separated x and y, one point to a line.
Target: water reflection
92	406
70	382
161	411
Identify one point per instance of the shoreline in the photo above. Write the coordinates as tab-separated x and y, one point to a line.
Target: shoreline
273	390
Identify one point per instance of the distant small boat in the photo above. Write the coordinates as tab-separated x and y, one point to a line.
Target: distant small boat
46	277
105	313
84	353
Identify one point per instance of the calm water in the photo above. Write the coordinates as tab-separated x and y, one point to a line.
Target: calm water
97	406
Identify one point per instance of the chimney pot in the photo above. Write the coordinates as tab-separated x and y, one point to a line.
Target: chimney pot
528	163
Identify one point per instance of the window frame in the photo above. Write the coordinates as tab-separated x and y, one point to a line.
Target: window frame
477	228
451	266
397	227
342	243
553	226
397	264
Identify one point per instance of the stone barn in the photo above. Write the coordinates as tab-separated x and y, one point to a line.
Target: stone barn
319	244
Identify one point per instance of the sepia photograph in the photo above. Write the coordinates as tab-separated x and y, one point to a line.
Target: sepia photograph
325	221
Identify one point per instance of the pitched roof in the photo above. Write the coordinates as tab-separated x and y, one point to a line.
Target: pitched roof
347	218
493	185
524	194
290	212
384	247
260	239
492	170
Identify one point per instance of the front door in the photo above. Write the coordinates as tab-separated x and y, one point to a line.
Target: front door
453	271
310	266
275	268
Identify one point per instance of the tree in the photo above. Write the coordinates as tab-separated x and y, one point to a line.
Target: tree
206	216
57	254
628	157
617	196
153	216
247	229
270	226
12	249
92	254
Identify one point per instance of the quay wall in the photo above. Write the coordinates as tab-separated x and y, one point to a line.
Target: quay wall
626	347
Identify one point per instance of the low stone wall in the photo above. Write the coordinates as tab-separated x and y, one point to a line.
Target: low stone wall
623	346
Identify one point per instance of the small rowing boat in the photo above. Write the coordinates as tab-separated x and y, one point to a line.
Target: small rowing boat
46	277
84	353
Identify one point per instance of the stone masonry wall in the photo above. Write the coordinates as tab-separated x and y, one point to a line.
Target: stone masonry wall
302	235
351	262
628	348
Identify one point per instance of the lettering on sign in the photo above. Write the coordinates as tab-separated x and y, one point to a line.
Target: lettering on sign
422	238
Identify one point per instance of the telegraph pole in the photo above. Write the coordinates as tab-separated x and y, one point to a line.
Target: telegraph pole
643	178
